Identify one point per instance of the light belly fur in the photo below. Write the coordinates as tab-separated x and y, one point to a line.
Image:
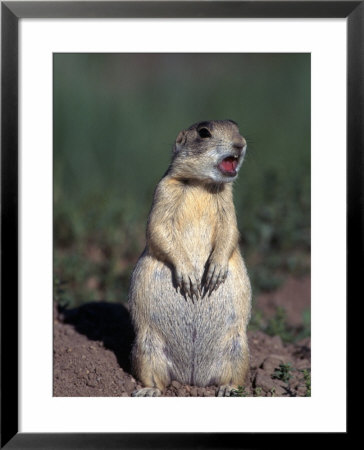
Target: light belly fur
196	334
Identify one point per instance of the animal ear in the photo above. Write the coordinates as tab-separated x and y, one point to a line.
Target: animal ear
180	140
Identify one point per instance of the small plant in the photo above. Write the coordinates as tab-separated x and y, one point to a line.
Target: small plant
277	325
305	330
240	392
273	391
258	391
307	378
283	372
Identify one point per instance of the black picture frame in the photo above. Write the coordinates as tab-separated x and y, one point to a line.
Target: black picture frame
11	12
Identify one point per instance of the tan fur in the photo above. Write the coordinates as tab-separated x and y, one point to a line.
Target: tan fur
190	293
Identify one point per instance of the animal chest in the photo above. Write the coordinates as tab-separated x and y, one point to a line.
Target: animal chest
195	222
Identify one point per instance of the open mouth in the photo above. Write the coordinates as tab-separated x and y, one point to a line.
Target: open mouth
228	166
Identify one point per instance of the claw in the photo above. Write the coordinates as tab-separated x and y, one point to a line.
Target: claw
214	282
186	288
211	290
190	292
188	283
195	292
209	275
203	291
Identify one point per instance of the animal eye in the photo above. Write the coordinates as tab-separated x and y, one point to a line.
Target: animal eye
204	133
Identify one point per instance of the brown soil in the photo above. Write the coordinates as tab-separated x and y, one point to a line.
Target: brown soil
92	346
294	296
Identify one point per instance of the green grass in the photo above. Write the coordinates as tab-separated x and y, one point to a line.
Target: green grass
277	325
239	392
258	391
115	120
283	372
307	378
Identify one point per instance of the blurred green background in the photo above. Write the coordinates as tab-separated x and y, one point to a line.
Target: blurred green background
116	117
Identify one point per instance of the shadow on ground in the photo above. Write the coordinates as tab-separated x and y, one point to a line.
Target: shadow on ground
106	322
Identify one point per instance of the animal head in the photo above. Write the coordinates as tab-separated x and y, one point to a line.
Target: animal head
210	151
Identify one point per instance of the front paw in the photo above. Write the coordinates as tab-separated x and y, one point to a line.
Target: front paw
188	280
216	274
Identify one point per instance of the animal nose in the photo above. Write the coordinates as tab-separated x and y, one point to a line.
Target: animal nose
239	144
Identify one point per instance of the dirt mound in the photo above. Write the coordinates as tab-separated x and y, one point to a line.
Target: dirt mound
92	347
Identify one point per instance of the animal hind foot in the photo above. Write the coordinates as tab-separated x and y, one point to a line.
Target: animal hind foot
225	390
147	392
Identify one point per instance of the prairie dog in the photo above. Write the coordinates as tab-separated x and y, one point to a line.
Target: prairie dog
190	294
